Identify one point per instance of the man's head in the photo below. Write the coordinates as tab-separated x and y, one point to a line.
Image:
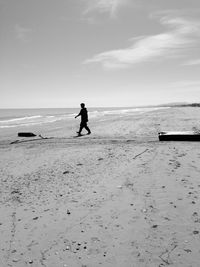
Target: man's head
82	105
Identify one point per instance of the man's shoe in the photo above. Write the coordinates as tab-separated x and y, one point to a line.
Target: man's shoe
89	133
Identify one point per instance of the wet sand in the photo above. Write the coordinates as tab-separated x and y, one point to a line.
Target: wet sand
118	197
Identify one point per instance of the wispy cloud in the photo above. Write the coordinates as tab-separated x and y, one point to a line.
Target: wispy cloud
184	86
105	6
181	34
185	83
22	33
192	62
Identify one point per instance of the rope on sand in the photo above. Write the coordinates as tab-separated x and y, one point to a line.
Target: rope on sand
141	153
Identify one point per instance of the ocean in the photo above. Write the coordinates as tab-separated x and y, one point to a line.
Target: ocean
10	118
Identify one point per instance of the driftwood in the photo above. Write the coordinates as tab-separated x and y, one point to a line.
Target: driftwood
26	134
179	136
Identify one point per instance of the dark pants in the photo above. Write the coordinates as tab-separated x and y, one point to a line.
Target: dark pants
83	124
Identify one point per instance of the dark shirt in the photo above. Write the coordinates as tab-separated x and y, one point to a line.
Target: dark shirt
84	115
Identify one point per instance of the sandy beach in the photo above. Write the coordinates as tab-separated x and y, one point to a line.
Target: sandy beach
115	198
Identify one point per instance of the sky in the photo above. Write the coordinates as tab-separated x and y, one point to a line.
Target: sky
59	53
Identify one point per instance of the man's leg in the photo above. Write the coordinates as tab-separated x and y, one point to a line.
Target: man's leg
81	128
87	128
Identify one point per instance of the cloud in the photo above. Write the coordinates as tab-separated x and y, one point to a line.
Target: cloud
185	83
184	86
192	62
181	34
105	6
22	33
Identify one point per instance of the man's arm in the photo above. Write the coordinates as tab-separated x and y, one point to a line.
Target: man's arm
78	115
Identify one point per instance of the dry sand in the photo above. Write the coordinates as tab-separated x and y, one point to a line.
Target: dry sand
118	197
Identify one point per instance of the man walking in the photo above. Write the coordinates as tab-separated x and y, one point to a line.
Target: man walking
84	119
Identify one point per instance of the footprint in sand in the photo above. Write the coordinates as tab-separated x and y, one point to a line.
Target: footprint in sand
176	164
182	155
65	172
195	217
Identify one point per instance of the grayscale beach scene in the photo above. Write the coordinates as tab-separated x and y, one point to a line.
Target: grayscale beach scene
99	133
